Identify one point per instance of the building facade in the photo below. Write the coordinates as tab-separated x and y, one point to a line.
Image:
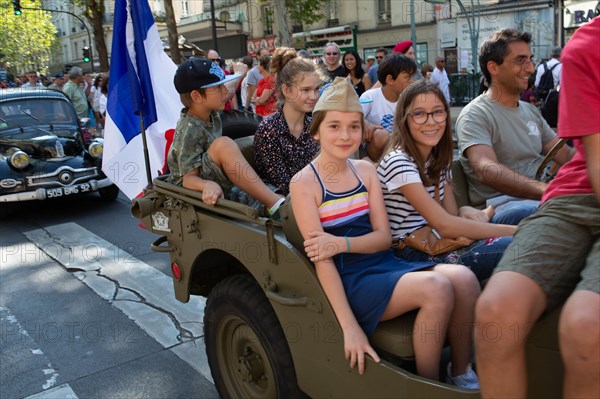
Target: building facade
243	26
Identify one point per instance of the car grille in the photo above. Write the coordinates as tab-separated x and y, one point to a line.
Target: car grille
63	176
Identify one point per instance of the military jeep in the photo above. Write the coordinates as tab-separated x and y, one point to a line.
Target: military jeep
270	331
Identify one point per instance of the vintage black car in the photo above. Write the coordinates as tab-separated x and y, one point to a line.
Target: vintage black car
44	152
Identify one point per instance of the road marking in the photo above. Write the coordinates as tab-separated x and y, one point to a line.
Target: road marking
50	373
60	392
140	291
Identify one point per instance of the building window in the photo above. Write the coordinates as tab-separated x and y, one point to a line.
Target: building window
421	53
267	14
185	9
384	11
75	50
332	9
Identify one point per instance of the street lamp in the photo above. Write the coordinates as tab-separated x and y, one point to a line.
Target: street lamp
473	23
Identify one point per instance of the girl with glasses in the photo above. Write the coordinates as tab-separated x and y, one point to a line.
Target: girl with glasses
418	158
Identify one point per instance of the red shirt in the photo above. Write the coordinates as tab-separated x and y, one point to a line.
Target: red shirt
270	106
579	107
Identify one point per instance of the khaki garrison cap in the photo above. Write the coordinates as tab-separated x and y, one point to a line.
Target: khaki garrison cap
339	96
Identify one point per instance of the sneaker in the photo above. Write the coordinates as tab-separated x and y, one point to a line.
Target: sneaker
467	380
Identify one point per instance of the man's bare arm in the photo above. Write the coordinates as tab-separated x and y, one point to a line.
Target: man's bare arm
250	89
563	155
490	172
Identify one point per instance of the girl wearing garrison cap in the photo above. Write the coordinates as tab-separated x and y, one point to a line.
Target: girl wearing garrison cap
340	212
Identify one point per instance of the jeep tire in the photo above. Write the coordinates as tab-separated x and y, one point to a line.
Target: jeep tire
245	344
236	124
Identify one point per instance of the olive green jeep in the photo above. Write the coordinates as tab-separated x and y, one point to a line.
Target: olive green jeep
269	328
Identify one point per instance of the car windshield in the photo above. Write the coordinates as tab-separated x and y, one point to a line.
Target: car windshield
21	113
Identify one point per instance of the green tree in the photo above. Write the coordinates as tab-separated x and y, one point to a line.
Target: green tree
26	40
93	10
302	11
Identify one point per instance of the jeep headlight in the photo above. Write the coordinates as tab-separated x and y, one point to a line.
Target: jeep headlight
19	159
96	149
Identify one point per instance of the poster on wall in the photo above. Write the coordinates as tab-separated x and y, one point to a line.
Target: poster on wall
270	43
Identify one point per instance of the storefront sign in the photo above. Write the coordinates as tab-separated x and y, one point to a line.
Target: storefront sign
579	14
270	43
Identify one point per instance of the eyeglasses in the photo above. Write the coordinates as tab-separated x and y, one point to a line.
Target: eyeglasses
215	59
331	53
379	57
523	62
420	117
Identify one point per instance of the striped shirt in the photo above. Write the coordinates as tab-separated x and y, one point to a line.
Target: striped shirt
338	209
396	170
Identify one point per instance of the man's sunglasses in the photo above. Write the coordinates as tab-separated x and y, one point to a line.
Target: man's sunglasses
331	53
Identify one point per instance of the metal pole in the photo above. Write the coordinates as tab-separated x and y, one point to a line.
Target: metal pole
213	25
413	26
82	23
145	145
473	34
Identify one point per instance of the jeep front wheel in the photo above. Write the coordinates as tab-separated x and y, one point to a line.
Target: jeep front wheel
247	351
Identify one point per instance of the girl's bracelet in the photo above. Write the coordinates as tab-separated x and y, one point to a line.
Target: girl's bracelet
347	243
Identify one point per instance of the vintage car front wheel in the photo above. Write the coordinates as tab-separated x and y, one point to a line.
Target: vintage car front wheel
247	351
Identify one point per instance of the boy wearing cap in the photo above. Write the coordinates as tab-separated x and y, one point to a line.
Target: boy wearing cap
200	157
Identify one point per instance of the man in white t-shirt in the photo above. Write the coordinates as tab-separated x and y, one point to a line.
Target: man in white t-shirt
555	60
253	77
440	77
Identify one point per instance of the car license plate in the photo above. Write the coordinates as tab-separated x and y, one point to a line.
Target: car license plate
68	190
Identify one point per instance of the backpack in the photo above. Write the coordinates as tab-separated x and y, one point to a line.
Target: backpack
550	108
546	82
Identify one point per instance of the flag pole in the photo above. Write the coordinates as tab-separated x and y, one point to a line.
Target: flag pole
146	156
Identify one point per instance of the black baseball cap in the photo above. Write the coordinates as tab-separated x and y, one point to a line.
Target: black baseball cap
200	73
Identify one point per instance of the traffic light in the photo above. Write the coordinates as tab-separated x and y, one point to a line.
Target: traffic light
86	54
17	7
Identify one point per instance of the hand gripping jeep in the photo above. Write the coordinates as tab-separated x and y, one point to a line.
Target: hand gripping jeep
269	329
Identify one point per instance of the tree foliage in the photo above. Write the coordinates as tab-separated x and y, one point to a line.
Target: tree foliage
300	11
93	10
305	11
26	40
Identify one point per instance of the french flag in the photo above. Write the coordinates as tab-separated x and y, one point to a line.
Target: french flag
141	79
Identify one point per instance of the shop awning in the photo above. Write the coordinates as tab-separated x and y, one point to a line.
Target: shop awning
325	31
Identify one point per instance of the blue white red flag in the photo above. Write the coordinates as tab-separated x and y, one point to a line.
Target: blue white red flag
141	78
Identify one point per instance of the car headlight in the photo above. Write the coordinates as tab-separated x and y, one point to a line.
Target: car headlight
19	159
96	149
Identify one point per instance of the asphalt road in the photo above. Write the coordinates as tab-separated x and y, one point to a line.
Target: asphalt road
88	311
